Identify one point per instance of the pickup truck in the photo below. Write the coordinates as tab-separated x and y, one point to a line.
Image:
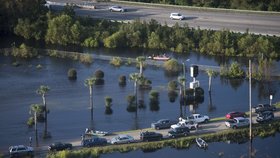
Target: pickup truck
191	125
197	118
237	122
163	123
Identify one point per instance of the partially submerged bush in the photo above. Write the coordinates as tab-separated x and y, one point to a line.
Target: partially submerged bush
116	61
72	74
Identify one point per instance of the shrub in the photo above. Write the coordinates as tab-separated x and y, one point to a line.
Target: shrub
116	61
172	85
99	74
122	80
172	66
24	52
86	59
72	74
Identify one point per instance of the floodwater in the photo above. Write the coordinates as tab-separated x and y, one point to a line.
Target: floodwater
260	148
68	101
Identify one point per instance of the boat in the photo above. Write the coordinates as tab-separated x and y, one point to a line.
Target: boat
95	132
201	143
162	57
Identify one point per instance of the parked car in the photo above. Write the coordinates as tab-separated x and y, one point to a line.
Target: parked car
150	136
58	146
21	151
265	116
237	122
178	132
176	16
264	107
122	139
197	118
163	123
117	9
234	114
96	141
191	125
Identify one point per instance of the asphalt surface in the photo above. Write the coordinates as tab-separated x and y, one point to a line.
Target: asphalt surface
257	23
210	127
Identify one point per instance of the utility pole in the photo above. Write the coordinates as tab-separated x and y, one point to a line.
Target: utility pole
250	99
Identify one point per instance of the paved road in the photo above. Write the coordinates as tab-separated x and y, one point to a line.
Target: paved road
235	21
211	127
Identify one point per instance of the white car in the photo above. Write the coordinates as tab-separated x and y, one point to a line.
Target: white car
176	16
117	9
21	151
122	139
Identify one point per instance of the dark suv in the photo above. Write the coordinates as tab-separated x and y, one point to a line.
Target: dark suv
179	132
96	141
264	107
150	136
265	116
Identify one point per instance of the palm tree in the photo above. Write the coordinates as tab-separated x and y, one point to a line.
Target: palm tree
181	80
89	83
135	77
36	109
43	90
211	73
141	60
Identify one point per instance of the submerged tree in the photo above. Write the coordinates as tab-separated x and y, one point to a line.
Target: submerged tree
211	73
43	90
135	77
108	105
36	109
89	83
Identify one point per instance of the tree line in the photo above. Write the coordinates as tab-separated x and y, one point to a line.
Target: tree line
66	28
260	5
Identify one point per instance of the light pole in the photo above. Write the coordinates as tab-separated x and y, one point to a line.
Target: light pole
270	99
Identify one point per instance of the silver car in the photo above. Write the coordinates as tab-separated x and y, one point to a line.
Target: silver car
117	9
176	16
122	139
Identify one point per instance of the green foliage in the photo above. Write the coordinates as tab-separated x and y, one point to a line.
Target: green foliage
172	66
116	61
172	85
122	80
99	74
90	42
28	30
234	71
24	52
72	74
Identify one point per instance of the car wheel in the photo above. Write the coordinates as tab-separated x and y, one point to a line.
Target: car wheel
206	120
234	127
157	128
186	134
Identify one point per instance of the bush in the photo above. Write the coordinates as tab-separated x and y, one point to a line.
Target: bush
172	66
116	61
99	74
72	74
172	85
122	80
86	59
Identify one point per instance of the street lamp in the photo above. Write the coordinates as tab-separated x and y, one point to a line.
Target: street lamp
270	98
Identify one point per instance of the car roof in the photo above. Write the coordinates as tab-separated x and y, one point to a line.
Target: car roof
239	118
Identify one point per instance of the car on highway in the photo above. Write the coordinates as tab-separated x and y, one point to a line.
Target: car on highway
122	139
21	151
96	141
116	9
234	114
191	125
150	136
162	124
197	118
265	116
176	16
58	146
237	122
178	132
264	107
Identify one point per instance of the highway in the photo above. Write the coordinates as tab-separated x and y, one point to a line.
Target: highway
257	23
